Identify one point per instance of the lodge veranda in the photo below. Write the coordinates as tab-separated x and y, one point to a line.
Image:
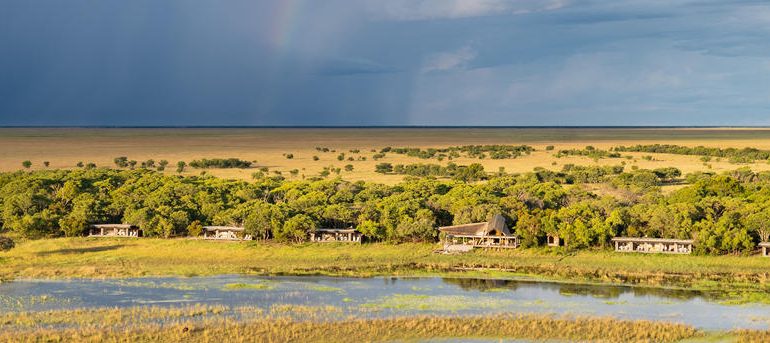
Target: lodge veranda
492	234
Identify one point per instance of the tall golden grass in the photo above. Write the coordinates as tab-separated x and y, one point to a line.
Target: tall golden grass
287	329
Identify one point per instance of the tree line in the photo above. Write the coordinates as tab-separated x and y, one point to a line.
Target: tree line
471	151
735	155
724	213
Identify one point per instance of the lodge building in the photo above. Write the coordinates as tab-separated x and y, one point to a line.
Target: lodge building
114	230
226	233
491	234
348	235
653	245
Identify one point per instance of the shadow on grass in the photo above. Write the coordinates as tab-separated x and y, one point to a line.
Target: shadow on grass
81	250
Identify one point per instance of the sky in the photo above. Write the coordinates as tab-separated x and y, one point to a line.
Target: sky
394	62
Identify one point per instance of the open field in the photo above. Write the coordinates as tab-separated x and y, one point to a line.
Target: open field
747	277
65	147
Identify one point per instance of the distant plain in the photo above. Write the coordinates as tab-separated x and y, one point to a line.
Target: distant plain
65	147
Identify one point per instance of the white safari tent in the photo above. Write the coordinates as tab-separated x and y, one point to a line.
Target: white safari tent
491	234
227	233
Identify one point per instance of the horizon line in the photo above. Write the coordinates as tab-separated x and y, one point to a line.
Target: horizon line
384	126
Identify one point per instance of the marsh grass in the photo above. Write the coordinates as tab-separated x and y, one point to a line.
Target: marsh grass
322	324
260	286
735	279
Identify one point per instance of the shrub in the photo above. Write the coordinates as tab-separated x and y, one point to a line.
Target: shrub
121	162
194	229
6	243
220	163
26	164
383	168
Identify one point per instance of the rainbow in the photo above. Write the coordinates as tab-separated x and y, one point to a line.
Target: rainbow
283	24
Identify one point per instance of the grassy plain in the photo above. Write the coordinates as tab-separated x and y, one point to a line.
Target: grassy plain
736	278
65	147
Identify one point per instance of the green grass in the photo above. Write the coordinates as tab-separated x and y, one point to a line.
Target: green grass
104	257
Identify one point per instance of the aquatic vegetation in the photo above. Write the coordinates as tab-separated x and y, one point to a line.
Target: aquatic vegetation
715	274
322	288
259	286
421	302
20	303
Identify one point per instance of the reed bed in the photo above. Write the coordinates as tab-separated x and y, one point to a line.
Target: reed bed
752	336
287	329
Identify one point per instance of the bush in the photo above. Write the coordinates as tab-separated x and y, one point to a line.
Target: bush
194	229
26	164
220	163
383	168
6	243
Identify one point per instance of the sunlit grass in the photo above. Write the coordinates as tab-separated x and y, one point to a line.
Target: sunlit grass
743	278
292	323
63	148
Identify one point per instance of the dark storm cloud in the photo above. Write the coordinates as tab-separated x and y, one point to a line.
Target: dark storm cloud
398	62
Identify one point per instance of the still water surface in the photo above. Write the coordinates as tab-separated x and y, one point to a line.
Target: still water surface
383	297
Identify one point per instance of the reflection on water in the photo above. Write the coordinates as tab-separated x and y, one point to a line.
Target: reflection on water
384	297
567	289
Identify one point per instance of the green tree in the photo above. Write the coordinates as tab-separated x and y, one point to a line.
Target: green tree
383	168
296	229
195	228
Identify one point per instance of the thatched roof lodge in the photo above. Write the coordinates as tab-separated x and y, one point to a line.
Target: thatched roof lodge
491	234
114	230
227	233
765	248
653	245
348	235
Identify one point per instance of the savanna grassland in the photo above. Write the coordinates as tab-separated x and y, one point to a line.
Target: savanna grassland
65	147
584	185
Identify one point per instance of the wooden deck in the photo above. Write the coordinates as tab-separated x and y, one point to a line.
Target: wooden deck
502	242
